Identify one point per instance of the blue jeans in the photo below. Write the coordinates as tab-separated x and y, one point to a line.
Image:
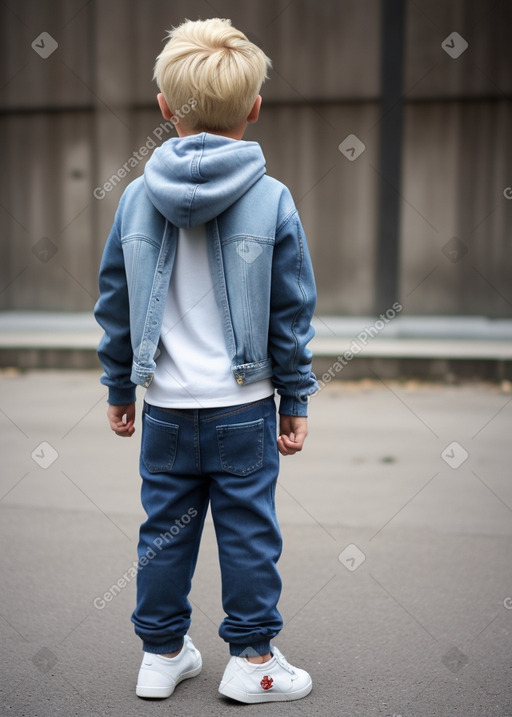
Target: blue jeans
228	458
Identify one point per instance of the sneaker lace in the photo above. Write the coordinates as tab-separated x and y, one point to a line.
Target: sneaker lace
281	659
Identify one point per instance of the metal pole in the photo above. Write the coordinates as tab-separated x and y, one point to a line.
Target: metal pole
390	154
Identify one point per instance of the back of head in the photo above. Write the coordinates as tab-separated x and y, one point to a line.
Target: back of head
210	74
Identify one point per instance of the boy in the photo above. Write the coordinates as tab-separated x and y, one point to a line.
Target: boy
206	298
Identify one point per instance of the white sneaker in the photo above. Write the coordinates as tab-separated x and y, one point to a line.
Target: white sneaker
158	676
273	681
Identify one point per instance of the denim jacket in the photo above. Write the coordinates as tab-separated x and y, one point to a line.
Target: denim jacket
262	273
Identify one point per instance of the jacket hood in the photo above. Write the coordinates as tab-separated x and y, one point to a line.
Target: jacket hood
191	180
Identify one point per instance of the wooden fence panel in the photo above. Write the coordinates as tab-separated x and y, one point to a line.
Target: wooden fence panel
70	121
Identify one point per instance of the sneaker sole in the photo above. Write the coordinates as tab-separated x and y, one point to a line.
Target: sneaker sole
250	698
160	693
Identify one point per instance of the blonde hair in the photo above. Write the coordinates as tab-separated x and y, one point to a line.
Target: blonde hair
210	74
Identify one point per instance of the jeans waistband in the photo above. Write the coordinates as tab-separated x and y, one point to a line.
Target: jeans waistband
205	414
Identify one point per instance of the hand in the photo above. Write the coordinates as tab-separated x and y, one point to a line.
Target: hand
121	419
293	432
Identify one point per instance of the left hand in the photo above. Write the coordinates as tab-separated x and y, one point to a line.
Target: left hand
121	419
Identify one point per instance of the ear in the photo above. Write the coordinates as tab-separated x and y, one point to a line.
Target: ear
255	112
166	111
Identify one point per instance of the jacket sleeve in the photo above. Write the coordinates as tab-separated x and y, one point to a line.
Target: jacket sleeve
293	301
112	312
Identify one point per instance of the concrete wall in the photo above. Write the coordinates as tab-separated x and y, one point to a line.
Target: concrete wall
69	122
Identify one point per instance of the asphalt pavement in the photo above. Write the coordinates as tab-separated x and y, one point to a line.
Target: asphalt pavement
397	526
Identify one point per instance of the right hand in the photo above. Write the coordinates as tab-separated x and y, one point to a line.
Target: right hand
292	434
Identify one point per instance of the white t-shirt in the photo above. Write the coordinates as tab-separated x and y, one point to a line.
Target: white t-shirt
193	369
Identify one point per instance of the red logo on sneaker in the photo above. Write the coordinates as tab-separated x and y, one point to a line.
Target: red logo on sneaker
266	682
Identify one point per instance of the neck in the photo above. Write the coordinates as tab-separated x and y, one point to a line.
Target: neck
235	133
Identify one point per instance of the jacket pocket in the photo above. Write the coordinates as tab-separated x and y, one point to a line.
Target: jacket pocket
159	445
241	447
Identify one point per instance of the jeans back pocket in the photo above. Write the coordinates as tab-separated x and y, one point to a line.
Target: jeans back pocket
159	444
241	446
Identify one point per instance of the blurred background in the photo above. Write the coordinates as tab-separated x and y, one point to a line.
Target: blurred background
390	121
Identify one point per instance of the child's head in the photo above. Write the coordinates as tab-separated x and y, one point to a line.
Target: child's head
210	74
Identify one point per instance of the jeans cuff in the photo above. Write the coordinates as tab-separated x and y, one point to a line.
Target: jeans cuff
170	646
256	648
